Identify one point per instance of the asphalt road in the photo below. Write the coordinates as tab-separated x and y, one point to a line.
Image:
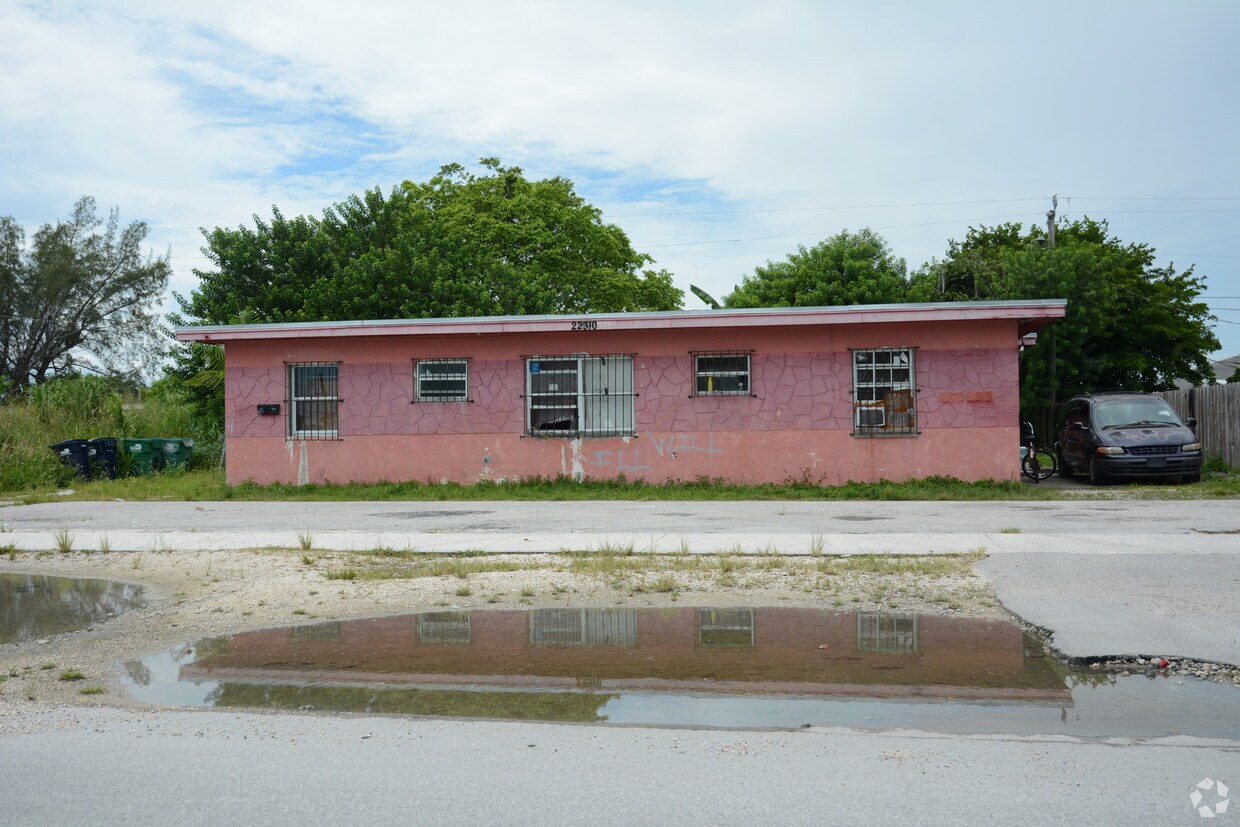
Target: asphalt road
102	766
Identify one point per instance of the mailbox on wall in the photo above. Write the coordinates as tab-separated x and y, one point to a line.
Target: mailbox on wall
268	410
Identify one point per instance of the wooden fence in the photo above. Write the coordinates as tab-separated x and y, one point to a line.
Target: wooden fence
1217	411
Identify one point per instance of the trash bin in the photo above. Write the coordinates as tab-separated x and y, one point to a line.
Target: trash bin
103	456
177	452
76	454
142	456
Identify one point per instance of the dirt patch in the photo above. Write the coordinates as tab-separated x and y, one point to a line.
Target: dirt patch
193	595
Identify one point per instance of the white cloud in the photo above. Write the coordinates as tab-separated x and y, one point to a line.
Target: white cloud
202	114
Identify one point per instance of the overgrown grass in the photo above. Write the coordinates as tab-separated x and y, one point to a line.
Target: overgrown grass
85	408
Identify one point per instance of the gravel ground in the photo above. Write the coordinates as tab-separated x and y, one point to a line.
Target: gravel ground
191	595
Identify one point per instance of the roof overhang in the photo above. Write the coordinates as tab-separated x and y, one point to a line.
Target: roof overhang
1030	316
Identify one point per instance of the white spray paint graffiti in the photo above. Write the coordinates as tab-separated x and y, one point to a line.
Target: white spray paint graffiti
672	444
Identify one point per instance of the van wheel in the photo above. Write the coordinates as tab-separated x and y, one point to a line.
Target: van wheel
1192	477
1096	475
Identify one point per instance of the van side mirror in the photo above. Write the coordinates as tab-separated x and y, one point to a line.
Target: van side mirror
1191	422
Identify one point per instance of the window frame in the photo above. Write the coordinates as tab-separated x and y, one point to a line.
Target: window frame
700	373
888	426
580	409
463	396
330	404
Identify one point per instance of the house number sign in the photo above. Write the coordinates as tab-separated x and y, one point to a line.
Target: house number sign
585	325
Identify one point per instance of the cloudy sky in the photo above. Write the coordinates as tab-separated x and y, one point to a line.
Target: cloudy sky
719	135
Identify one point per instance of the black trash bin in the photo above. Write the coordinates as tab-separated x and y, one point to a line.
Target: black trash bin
103	456
76	454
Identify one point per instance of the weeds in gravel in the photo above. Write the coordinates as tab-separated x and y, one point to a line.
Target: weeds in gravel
817	544
105	545
664	583
305	539
1009	530
91	690
72	675
464	591
64	541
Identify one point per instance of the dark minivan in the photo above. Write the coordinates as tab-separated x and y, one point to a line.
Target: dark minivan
1127	436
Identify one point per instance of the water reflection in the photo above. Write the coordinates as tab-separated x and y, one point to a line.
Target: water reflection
34	605
721	667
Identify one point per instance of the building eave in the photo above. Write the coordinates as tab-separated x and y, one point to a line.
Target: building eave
1030	315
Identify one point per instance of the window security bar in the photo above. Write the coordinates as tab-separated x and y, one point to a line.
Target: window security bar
314	400
579	395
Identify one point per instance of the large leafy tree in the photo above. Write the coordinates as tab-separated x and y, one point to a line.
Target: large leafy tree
1130	324
847	268
458	245
80	297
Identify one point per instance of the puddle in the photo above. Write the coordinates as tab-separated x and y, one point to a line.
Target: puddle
728	668
33	605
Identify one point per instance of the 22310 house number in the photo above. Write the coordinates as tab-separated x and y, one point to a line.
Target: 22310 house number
585	325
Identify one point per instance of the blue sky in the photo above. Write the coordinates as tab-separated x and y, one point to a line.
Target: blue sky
718	135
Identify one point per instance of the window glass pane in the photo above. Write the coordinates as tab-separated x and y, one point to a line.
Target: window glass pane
443	380
314	380
723	373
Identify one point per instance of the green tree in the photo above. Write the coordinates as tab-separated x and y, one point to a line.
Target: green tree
458	245
847	268
1129	325
81	297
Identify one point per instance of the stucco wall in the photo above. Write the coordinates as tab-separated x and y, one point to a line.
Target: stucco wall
796	425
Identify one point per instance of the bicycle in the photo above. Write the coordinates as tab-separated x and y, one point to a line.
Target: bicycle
1036	463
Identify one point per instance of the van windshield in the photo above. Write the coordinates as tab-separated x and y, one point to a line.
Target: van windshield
1132	413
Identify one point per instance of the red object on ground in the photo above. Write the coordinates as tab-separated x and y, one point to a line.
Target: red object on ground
1164	663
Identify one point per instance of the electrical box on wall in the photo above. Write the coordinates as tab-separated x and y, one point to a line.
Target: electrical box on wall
268	410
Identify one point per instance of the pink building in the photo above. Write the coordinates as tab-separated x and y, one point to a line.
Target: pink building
822	394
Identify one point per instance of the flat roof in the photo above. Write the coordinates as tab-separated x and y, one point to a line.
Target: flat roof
1032	316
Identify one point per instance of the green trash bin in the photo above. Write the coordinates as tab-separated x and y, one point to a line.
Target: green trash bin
176	453
143	457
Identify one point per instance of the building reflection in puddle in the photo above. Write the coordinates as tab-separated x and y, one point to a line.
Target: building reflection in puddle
568	664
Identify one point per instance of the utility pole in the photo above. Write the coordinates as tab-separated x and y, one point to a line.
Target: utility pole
1050	242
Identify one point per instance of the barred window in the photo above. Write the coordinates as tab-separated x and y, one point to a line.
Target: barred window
441	380
314	400
579	395
721	374
884	393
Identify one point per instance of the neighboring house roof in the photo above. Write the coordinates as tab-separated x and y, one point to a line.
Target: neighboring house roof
1223	369
1032	315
